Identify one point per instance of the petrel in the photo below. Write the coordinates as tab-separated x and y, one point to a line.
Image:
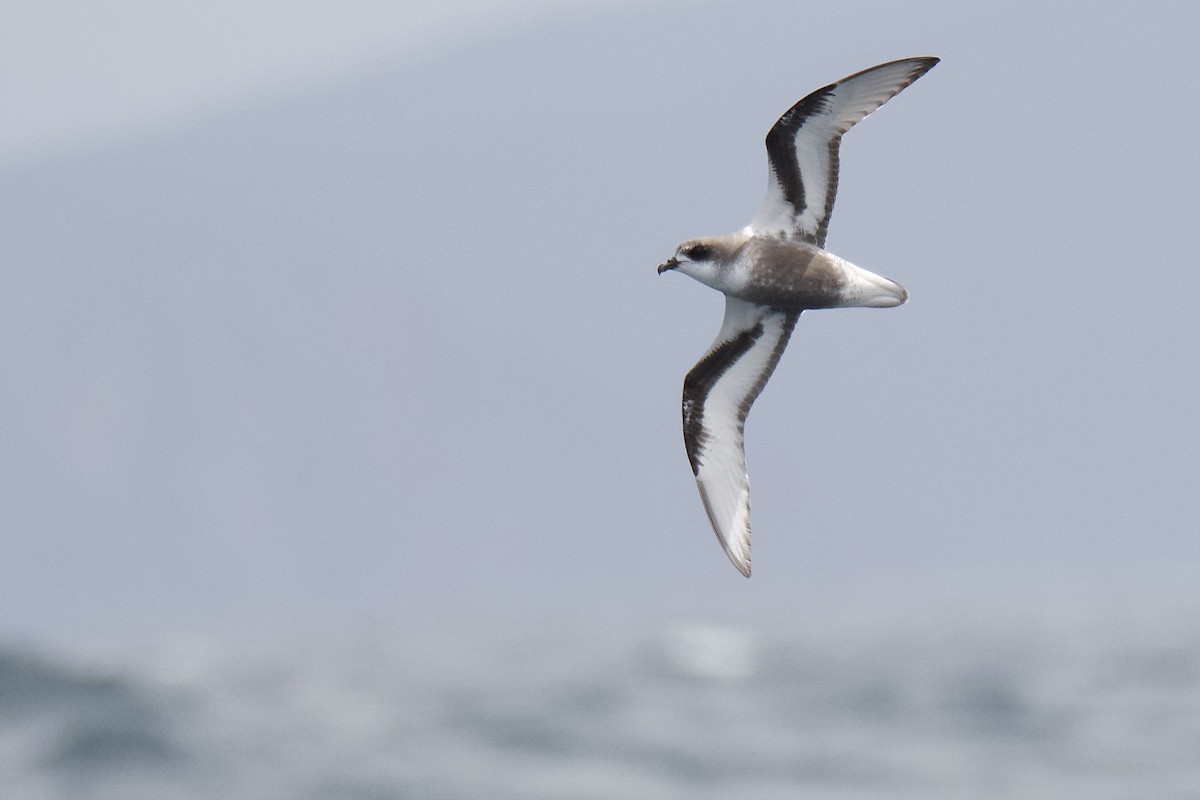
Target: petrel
771	271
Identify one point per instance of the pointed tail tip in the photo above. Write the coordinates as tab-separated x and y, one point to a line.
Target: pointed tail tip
887	293
876	291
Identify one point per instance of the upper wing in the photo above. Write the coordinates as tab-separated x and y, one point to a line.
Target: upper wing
717	395
803	148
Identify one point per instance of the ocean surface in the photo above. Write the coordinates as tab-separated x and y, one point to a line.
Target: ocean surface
1090	707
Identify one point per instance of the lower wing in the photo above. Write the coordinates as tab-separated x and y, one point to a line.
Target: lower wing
717	395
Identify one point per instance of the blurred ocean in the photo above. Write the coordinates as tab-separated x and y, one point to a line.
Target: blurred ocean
964	708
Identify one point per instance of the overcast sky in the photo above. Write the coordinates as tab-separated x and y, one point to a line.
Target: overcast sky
320	318
80	73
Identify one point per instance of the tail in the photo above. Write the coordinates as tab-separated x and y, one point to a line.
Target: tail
867	289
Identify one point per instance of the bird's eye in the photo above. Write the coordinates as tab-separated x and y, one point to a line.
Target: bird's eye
698	252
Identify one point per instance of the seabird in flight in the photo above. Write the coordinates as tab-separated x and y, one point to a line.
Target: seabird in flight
771	271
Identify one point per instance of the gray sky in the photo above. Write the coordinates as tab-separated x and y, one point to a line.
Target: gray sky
83	73
369	332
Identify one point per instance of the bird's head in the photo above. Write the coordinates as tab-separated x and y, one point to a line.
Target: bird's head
701	259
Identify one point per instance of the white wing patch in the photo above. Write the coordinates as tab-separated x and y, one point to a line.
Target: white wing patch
717	395
803	148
